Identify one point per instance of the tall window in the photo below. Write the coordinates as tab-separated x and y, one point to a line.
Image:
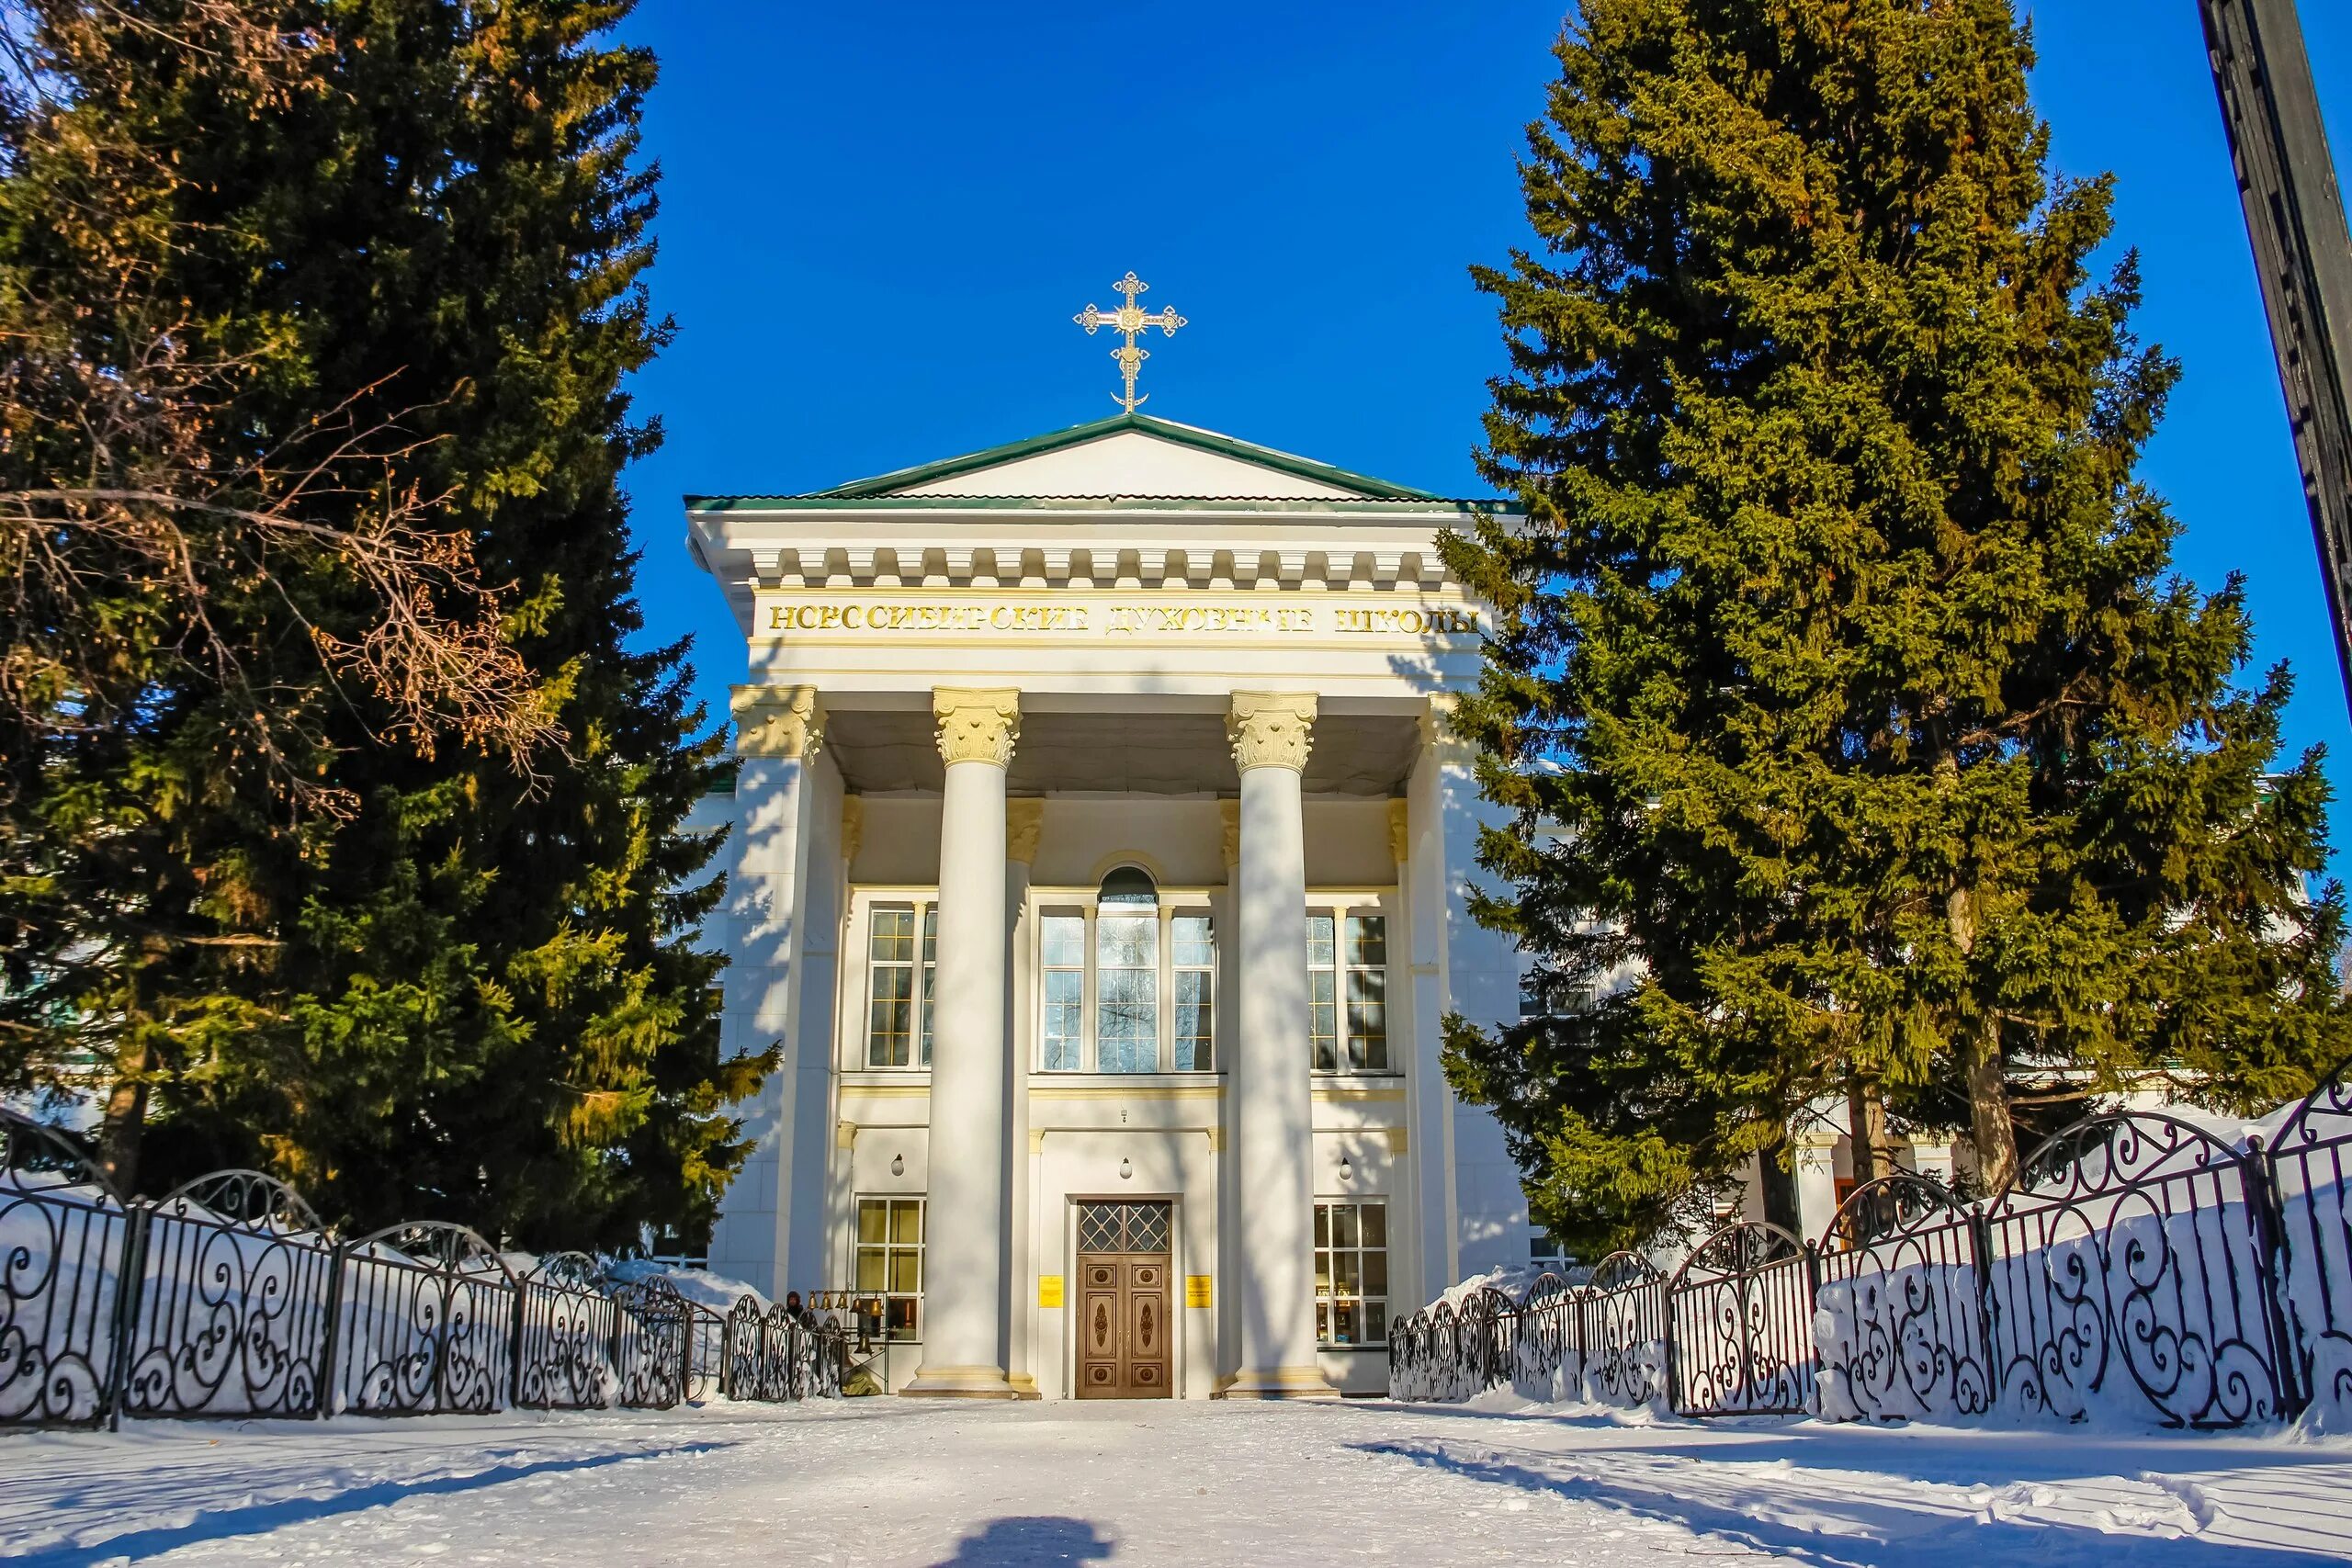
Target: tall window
1323	989
1193	956
1367	957
1064	968
1347	959
898	981
930	974
889	1265
1126	973
1350	1273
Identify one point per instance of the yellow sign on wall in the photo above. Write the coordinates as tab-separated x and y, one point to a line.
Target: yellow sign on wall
1196	1290
1050	1290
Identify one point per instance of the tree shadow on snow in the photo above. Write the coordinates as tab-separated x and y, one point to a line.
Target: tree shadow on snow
260	1518
1004	1544
1991	1453
1857	1532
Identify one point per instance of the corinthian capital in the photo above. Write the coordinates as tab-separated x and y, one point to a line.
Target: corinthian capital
976	726
1271	729
777	721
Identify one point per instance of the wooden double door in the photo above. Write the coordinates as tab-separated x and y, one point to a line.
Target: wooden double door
1123	1302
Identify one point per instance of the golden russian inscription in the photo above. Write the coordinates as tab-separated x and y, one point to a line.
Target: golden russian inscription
865	617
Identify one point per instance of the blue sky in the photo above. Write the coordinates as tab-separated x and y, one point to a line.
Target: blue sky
877	222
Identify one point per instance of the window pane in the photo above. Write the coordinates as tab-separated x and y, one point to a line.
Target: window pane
1343	1225
1318	939
1194	1021
1322	1225
1323	1321
1367	939
1375	1271
906	1222
1347	1274
1343	1323
871	1218
1376	1225
1368	1019
1126	941
893	940
1323	1019
906	1271
1375	1322
1322	1273
890	1016
930	975
1065	941
931	934
900	1323
1126	1020
1065	1019
1188	936
869	1270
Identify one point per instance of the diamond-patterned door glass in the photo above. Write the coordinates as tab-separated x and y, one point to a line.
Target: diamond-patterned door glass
1123	1227
1098	1227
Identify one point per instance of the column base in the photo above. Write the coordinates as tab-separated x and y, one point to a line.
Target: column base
960	1382
1024	1387
1277	1382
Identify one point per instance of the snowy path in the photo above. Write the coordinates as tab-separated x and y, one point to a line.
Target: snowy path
894	1482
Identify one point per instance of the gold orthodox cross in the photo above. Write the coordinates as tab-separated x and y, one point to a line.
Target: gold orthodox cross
1129	320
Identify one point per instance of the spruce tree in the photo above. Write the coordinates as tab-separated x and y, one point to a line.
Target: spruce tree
1855	739
481	997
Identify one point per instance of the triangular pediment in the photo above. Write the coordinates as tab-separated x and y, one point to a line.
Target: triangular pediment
1132	455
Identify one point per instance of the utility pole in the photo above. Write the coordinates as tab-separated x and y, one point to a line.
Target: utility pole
2295	217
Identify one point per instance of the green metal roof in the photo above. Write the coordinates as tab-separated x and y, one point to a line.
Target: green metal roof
881	485
1090	504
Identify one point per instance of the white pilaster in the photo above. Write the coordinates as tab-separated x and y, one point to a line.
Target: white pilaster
1816	1181
963	1332
786	818
1429	907
1273	1110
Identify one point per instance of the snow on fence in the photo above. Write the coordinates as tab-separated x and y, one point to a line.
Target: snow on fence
2140	1269
228	1297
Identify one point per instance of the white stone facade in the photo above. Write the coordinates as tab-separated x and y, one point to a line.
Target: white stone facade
967	708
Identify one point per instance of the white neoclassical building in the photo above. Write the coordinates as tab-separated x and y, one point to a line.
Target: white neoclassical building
1098	859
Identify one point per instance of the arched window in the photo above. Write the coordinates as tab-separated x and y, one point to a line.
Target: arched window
1129	987
1126	973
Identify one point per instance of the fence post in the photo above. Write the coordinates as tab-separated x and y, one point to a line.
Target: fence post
727	1355
330	1346
514	1348
1980	1252
1666	1315
1811	1310
2271	1258
127	1285
621	1316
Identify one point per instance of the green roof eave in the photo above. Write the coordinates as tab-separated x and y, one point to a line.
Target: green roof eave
1165	430
1343	506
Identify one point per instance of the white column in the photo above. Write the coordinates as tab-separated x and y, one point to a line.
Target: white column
1024	822
1273	1110
963	1330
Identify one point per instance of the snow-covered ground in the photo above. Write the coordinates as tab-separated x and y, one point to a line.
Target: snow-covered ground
892	1480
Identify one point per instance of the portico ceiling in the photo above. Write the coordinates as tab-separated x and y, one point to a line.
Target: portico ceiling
884	752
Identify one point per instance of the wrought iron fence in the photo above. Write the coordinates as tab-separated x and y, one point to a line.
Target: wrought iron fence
228	1297
2140	1266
